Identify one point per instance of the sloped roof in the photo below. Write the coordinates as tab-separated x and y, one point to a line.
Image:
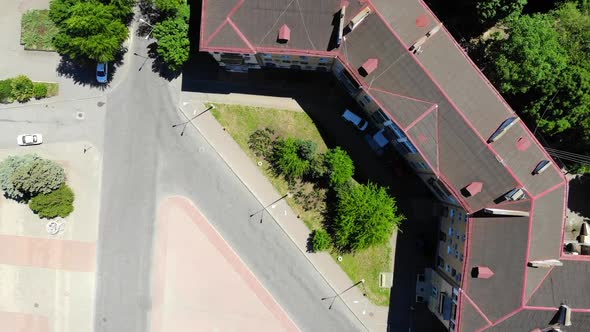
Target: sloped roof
447	107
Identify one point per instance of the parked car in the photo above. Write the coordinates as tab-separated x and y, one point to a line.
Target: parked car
102	72
356	120
26	139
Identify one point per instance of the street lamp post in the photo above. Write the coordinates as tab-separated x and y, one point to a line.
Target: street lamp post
261	211
153	27
185	123
362	281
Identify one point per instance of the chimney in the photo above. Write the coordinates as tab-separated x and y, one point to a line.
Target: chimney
473	189
481	272
369	66
284	34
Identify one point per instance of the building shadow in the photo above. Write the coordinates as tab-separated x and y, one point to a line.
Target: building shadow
579	191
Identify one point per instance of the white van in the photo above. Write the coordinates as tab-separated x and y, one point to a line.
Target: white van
356	120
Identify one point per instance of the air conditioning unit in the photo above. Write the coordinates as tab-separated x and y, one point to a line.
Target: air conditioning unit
514	194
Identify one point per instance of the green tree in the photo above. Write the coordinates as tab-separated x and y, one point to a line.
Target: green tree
121	9
90	32
320	240
40	176
491	11
5	90
167	5
365	215
173	43
59	10
287	159
22	88
58	203
7	168
340	167
531	58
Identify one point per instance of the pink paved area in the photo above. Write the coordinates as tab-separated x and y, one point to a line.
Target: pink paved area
201	284
20	322
48	253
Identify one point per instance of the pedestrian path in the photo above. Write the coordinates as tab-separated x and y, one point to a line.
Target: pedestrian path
373	317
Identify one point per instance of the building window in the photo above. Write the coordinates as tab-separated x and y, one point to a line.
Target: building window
466	217
285	57
458	277
323	60
448	268
267	56
304	62
379	117
463	238
456	253
449	249
303	58
434	291
422	165
442	236
440	262
461	257
286	61
450	231
453	272
367	99
452	213
458	234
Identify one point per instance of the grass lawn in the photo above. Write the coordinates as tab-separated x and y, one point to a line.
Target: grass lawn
37	30
241	121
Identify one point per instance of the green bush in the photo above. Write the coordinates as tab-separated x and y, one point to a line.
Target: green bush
307	149
58	203
261	142
40	176
39	90
22	88
287	160
5	90
340	167
320	240
7	168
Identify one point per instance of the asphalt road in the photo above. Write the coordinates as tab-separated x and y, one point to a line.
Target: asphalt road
145	159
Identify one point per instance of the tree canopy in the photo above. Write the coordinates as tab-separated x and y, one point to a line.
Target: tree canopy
89	30
173	43
494	10
365	216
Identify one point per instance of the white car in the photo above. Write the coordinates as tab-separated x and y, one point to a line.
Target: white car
102	72
32	139
356	120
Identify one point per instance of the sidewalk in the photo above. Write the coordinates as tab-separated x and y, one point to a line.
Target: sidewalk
373	317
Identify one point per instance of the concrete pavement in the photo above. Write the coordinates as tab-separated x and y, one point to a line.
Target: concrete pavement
373	317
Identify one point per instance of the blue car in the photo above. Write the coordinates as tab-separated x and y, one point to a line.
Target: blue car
102	71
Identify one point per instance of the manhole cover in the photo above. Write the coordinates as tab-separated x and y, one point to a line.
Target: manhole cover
100	103
80	115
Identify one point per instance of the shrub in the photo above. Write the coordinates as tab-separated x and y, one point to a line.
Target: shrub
22	88
5	90
40	176
7	168
261	142
320	240
307	149
318	168
340	167
56	203
39	90
287	160
365	215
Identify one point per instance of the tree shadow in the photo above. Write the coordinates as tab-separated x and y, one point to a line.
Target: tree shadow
159	65
579	191
83	71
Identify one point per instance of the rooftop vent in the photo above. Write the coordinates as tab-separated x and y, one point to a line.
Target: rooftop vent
359	18
481	272
545	263
472	189
369	66
541	167
507	124
583	237
284	34
502	212
565	315
514	195
340	26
